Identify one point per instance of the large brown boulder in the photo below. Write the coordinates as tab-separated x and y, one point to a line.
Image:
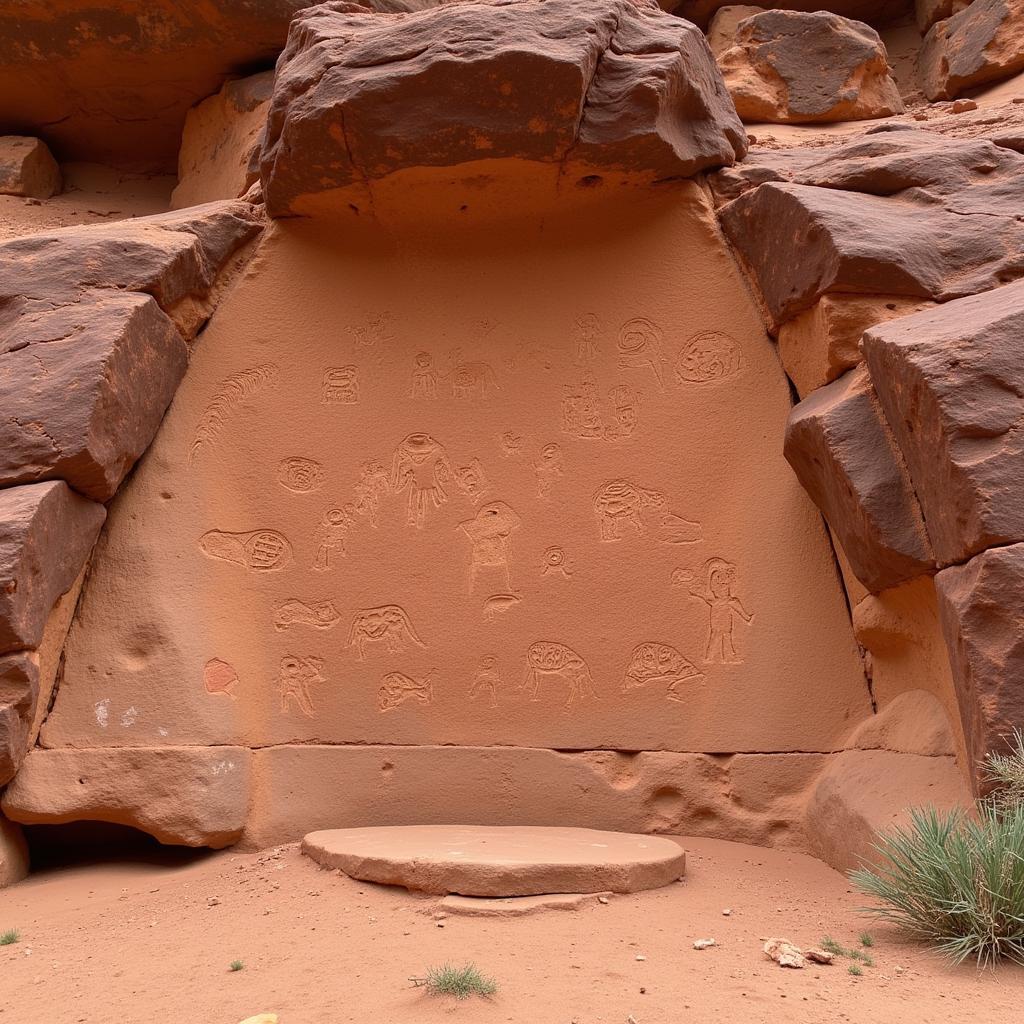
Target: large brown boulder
983	43
184	796
46	533
902	213
980	606
611	84
950	380
928	12
796	68
842	452
27	168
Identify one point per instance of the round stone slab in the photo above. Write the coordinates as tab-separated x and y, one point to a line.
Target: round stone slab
483	860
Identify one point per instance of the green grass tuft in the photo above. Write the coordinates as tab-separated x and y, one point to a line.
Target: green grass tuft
236	965
831	946
461	982
855	970
866	939
9	938
955	880
1004	774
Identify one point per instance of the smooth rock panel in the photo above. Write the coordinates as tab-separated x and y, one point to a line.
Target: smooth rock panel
46	534
182	796
840	448
980	44
13	853
951	382
980	608
27	168
808	68
613	84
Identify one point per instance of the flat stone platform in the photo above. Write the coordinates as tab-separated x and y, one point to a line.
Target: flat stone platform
482	860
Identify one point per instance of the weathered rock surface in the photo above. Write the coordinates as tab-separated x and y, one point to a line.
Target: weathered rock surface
19	688
819	345
119	360
805	68
928	12
614	85
13	853
980	607
184	796
863	792
723	25
983	43
841	450
27	168
900	212
951	382
220	144
46	533
914	722
701	11
515	906
481	860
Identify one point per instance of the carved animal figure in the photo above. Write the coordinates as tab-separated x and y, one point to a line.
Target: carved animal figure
620	502
388	624
546	658
396	688
658	663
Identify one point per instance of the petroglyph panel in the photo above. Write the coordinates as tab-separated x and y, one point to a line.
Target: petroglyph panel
509	484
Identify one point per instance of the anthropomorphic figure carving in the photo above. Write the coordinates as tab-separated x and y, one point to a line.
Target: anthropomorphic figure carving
490	534
295	678
586	330
331	536
714	587
487	679
548	469
421	466
372	486
424	377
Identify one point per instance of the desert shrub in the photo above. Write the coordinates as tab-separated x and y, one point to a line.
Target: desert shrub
955	880
236	965
1005	775
461	982
9	938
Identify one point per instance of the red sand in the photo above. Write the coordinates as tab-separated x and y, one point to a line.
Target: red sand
132	944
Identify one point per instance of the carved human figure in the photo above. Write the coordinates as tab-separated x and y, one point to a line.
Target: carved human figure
487	679
373	484
511	444
714	587
424	377
471	480
548	469
331	536
421	466
586	330
581	413
294	680
626	411
490	535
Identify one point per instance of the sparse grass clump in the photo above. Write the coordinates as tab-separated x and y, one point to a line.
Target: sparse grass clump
461	982
955	880
236	965
855	970
836	949
9	938
867	940
1005	774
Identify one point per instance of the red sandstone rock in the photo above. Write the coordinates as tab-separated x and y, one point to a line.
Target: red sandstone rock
928	12
950	381
220	144
46	533
19	688
184	796
13	853
980	609
797	68
899	212
27	168
984	43
482	860
840	447
14	729
872	11
723	25
613	84
118	359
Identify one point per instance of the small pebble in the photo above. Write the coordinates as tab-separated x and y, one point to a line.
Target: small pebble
961	106
639	957
703	943
727	912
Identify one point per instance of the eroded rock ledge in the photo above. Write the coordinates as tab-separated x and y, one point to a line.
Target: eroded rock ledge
615	84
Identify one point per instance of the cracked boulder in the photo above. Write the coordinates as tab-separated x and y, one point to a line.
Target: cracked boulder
612	85
904	213
982	43
980	607
791	67
27	168
46	534
951	382
19	692
929	12
874	11
100	315
841	450
182	796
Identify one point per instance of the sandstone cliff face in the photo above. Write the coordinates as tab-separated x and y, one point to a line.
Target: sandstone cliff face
479	459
